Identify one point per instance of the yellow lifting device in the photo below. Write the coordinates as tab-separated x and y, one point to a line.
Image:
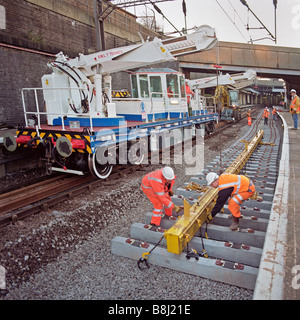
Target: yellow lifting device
178	236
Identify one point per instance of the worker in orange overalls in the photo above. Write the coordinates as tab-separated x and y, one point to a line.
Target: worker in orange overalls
239	188
189	94
249	117
266	115
274	112
157	186
170	91
295	108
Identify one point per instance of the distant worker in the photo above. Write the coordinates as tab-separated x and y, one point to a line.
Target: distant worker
295	108
239	188
170	91
157	186
189	93
249	117
274	113
266	115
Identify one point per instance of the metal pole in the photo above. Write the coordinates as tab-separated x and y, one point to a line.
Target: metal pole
184	12
275	12
99	25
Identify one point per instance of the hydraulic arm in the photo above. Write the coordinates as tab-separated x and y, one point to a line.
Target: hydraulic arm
86	72
194	216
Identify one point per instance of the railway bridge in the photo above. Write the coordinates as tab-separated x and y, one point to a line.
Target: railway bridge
267	60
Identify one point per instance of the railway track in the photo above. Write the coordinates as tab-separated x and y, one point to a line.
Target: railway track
19	203
233	257
24	202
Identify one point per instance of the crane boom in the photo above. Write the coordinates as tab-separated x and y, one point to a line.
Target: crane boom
87	72
209	82
236	81
145	53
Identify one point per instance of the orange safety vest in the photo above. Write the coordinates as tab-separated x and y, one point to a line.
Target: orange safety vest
170	93
156	182
295	105
238	182
266	113
189	93
274	111
243	188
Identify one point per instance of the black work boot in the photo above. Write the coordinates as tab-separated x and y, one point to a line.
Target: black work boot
235	224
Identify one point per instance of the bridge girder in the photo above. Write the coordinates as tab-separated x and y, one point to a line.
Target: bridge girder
267	61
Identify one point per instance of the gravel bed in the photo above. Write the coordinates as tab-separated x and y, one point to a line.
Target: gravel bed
65	253
15	179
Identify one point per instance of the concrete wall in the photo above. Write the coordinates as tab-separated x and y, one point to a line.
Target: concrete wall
267	61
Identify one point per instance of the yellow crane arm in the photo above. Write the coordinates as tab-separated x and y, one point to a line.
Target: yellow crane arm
194	216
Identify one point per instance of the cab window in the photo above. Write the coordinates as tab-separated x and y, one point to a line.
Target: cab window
182	86
135	92
155	86
144	86
172	85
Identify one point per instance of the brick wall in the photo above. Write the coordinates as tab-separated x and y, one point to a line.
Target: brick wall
34	27
48	26
21	70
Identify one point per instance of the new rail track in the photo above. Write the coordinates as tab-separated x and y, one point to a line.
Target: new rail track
19	203
227	256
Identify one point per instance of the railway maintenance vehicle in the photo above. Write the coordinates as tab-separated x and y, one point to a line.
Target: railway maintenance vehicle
78	124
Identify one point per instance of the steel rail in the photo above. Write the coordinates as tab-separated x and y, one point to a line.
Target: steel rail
178	236
48	197
23	202
25	196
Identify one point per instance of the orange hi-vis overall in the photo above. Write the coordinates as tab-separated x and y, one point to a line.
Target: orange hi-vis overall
266	113
155	188
295	106
243	190
189	93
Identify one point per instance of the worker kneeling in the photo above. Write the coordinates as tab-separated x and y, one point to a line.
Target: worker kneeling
157	186
239	188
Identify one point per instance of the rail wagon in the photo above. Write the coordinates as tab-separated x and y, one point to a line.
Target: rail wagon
78	123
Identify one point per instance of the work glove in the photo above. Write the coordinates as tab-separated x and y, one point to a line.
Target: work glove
177	208
171	193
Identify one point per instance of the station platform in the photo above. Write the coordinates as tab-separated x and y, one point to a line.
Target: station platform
291	290
279	273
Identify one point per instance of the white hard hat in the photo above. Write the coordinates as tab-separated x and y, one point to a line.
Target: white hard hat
168	173
211	177
293	90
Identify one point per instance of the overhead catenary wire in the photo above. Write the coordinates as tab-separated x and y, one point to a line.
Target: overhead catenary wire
250	41
231	20
161	13
236	13
134	3
244	2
